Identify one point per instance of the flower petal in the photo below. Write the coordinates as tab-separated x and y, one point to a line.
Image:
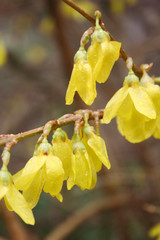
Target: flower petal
19	205
98	146
137	128
110	53
71	87
24	178
142	101
63	150
54	176
3	190
82	171
93	157
85	85
32	193
94	52
114	104
157	129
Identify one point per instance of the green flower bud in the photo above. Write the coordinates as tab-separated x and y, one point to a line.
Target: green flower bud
78	146
59	134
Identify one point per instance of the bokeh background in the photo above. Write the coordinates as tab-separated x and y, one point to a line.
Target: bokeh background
40	39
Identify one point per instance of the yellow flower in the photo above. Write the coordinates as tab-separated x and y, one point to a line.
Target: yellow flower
83	173
155	231
96	148
153	91
134	109
13	198
63	149
102	55
81	80
43	171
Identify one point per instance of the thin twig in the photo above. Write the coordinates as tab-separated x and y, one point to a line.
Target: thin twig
64	120
124	55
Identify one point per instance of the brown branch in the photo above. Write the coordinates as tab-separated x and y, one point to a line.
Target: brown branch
64	120
124	55
84	213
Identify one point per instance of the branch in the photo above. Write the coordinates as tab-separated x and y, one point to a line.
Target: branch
64	120
124	55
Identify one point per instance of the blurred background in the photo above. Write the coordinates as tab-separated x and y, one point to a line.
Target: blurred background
38	40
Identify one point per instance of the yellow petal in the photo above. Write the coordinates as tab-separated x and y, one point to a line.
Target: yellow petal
114	104
125	110
23	179
98	146
157	129
137	128
71	178
110	53
82	171
93	53
153	91
19	205
94	176
63	150
82	82
142	102
54	176
154	231
32	193
85	85
7	204
59	197
93	157
3	190
71	87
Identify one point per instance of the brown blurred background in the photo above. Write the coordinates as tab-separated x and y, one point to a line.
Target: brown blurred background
41	38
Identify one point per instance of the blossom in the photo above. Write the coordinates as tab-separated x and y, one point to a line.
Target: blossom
102	55
13	198
134	109
154	92
82	173
96	148
42	171
63	149
81	80
155	231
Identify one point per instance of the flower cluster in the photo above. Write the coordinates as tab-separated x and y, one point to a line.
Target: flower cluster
93	65
77	161
136	107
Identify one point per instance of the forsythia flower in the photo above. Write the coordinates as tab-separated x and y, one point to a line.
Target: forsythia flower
102	54
155	231
134	108
81	80
13	198
96	148
43	171
63	149
153	91
83	173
